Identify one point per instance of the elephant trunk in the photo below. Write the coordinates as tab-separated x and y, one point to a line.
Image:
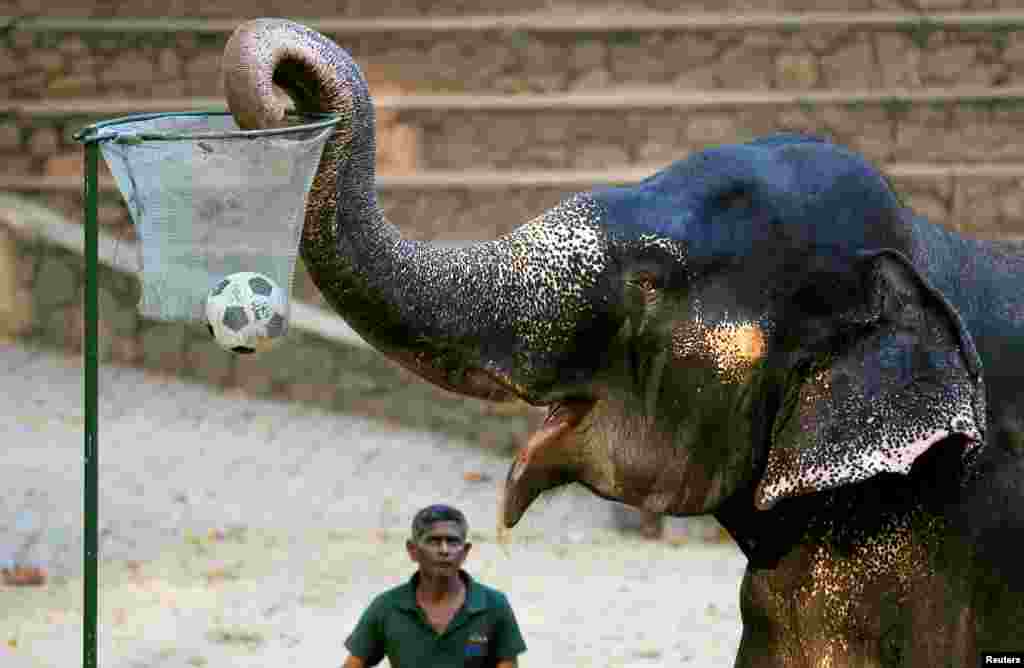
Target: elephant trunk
477	320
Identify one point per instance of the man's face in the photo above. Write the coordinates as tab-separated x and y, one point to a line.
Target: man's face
440	551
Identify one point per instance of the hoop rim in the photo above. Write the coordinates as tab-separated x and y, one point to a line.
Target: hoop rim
100	131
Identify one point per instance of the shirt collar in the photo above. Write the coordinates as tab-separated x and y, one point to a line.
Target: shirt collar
476	600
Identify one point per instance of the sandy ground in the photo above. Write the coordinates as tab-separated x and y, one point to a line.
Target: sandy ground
251	533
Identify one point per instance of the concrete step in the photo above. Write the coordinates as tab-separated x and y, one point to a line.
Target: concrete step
982	200
551	51
597	131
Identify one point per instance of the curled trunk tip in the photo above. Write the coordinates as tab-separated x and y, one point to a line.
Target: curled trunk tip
267	61
247	69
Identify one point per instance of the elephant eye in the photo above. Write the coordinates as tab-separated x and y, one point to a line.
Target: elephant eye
737	198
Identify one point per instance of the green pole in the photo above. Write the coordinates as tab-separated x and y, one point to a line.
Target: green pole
91	361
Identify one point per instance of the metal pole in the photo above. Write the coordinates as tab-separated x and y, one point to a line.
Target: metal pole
91	361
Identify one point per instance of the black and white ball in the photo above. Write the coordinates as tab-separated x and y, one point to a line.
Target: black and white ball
247	312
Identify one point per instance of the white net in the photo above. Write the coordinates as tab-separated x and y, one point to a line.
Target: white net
206	206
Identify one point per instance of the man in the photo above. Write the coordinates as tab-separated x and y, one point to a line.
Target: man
441	617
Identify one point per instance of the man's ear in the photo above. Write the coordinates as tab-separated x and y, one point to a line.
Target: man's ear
902	374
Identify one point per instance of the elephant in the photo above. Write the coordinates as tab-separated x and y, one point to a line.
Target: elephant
761	331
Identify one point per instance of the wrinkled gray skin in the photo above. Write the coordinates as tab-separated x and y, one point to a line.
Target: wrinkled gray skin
760	332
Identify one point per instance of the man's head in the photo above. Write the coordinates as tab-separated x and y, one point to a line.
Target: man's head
438	542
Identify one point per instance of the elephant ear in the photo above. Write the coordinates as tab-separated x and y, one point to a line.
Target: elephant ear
902	375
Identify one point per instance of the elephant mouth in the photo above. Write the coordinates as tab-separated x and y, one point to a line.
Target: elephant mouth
546	461
475	383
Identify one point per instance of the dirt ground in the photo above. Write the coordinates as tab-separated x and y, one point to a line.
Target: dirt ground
247	533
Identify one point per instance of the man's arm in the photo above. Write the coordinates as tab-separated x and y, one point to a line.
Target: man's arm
366	643
356	662
508	639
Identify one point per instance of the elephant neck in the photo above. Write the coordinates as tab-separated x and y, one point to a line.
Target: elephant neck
980	278
851	516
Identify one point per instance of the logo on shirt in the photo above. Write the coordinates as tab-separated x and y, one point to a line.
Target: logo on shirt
476	644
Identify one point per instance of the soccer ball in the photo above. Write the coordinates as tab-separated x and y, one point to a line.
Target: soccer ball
247	312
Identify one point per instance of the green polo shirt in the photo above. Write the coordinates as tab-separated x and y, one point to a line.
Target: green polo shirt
483	631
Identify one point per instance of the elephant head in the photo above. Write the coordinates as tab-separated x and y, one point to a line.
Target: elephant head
753	319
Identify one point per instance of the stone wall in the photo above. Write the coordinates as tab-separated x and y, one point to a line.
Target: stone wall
242	8
983	130
54	63
36	141
891	131
800	57
41	287
988	207
233	8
